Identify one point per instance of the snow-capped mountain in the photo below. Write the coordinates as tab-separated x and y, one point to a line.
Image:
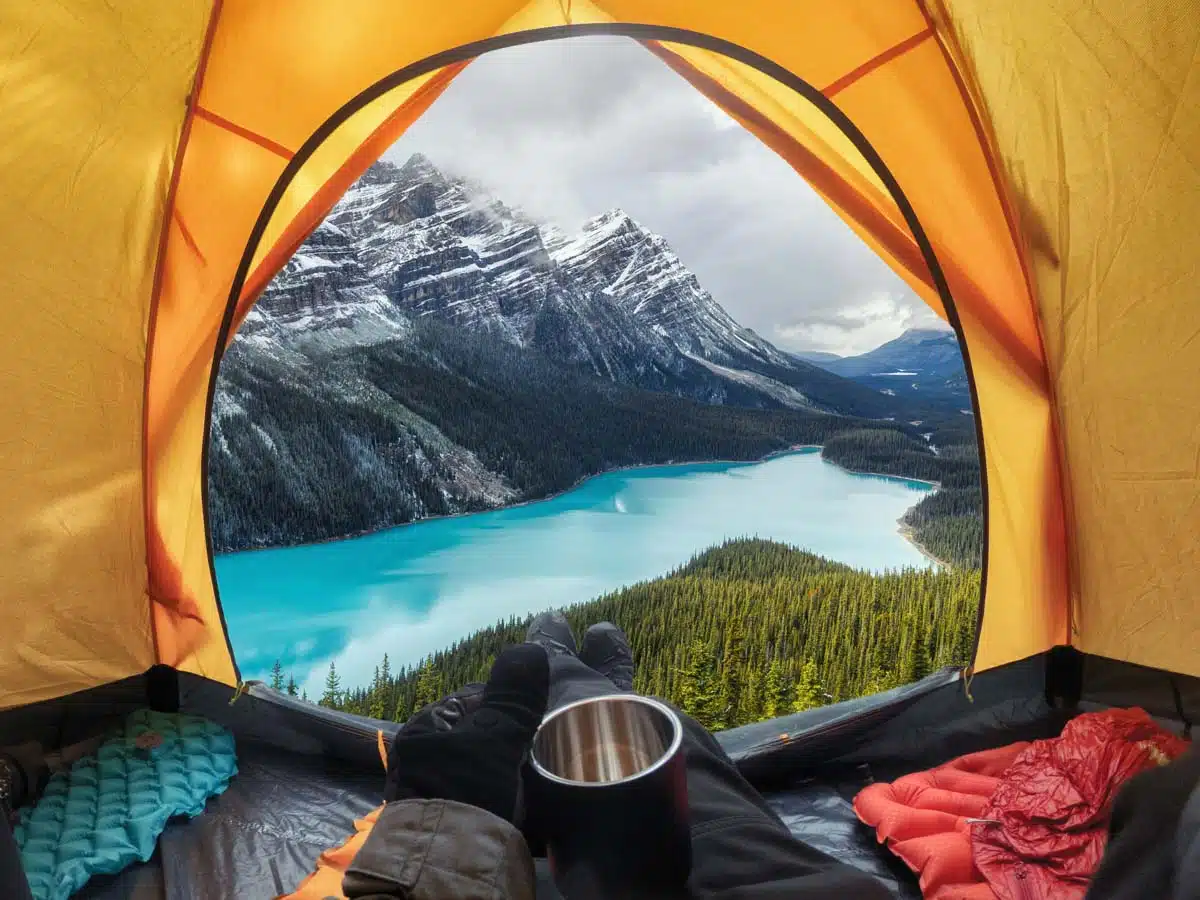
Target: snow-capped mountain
430	350
613	300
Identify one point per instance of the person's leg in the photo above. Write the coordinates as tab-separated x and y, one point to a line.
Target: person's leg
742	849
571	678
606	649
12	874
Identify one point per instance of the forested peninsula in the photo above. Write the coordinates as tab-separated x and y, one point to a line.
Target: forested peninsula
745	631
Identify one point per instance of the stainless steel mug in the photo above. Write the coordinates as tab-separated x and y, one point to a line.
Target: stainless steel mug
609	797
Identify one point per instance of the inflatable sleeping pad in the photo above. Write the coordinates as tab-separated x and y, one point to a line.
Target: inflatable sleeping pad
107	811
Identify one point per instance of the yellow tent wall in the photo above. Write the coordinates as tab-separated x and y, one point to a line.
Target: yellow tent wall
92	108
1095	110
151	127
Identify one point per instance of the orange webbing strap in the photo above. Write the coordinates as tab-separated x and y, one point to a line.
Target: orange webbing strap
326	881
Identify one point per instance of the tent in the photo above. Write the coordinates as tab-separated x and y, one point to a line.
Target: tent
1031	170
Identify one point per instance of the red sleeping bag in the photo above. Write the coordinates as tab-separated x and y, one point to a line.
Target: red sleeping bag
1022	822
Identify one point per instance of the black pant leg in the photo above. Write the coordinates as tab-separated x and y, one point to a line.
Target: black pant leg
741	849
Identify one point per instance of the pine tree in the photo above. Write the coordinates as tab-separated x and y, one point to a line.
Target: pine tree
775	691
401	711
731	669
701	695
916	664
376	699
964	642
291	686
809	693
753	699
687	678
333	688
880	680
429	685
277	676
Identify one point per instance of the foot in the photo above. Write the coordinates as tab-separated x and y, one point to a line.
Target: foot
607	650
551	630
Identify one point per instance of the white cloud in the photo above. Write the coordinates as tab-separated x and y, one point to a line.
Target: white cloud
879	318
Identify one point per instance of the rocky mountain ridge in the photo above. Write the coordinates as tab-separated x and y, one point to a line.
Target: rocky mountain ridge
409	242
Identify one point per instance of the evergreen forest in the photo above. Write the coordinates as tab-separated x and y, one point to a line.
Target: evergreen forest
744	632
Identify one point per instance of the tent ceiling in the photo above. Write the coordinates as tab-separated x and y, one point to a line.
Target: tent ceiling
141	123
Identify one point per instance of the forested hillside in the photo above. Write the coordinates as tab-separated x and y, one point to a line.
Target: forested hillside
451	421
746	631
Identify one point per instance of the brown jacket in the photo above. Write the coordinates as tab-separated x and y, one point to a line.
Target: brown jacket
441	850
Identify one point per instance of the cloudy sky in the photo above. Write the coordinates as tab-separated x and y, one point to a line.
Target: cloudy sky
569	129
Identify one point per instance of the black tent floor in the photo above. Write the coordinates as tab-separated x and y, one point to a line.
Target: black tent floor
264	834
306	773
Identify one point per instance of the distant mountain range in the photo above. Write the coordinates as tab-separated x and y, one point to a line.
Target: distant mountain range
815	356
430	350
921	363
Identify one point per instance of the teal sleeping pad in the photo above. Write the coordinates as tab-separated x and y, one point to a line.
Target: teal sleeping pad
107	811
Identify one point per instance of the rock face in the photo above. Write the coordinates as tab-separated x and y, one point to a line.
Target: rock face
613	301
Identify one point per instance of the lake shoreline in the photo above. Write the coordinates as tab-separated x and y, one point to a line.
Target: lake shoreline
774	454
905	530
910	534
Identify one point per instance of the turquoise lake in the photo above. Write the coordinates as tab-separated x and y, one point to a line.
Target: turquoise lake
417	588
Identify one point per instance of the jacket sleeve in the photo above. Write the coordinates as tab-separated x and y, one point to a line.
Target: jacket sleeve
440	850
1147	832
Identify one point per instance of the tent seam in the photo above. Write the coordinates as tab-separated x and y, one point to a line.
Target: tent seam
245	133
169	215
187	235
877	62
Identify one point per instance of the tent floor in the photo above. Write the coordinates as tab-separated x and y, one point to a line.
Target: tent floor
264	834
306	773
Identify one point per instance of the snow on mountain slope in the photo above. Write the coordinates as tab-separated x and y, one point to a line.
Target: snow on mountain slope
613	300
322	297
785	394
639	272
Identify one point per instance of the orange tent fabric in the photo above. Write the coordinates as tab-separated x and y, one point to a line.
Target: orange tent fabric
325	882
1031	173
